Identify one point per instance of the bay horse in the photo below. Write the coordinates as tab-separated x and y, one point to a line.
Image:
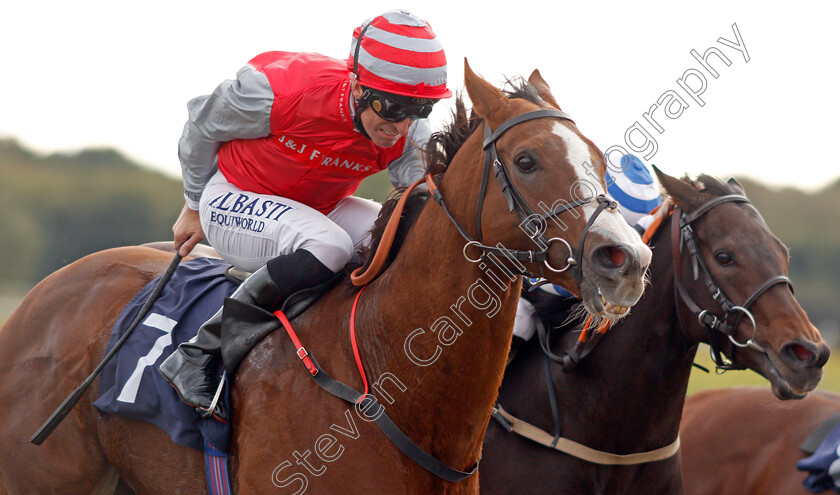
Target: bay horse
626	396
740	441
433	329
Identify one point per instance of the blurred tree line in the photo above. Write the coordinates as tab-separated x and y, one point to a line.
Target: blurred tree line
807	224
61	207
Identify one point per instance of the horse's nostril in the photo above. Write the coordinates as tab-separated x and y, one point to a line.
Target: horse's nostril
616	255
802	353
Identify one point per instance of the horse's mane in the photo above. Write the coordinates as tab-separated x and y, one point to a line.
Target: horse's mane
437	155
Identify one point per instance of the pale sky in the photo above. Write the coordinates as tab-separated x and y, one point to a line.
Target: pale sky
119	74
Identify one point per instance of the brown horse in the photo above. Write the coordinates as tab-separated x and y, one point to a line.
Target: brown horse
434	331
740	441
626	397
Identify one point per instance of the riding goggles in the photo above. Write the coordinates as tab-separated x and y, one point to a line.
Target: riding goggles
393	111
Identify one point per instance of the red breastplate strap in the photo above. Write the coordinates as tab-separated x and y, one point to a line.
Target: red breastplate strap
304	355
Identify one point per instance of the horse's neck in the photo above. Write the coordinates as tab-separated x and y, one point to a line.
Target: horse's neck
643	364
441	326
627	395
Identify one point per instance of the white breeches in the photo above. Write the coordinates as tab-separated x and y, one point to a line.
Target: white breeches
525	324
248	229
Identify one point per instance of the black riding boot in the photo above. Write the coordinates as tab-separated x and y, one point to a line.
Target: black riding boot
191	368
303	278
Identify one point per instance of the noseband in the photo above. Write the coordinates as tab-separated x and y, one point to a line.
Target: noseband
682	236
517	203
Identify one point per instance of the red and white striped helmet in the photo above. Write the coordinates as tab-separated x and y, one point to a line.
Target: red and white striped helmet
400	54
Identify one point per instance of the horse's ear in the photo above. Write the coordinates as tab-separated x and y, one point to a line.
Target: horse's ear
488	102
681	191
734	184
542	88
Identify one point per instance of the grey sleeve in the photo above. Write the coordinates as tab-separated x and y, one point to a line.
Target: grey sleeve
410	167
237	109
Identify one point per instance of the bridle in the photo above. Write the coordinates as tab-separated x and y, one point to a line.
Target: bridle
682	236
517	203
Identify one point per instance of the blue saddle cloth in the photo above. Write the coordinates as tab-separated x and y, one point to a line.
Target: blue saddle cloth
131	385
823	466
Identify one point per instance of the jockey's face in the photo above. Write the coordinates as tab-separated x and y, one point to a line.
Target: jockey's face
382	132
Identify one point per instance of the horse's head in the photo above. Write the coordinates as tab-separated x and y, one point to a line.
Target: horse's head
552	200
732	269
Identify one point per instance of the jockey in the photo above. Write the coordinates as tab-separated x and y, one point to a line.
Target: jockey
631	184
270	161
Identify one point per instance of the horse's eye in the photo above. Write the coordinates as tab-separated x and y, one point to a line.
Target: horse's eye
724	258
525	162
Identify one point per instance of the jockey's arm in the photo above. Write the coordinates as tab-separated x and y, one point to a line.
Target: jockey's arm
237	109
410	167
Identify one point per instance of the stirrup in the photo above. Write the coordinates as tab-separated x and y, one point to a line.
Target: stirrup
236	275
208	412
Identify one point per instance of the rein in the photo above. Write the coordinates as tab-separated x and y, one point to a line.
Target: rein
586	343
362	276
682	236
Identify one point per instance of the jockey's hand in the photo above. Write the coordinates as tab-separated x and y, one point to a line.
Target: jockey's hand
187	230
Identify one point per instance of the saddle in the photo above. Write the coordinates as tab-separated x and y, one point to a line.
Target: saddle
130	384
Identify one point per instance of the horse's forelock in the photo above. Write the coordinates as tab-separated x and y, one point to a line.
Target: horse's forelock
715	187
702	189
518	87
